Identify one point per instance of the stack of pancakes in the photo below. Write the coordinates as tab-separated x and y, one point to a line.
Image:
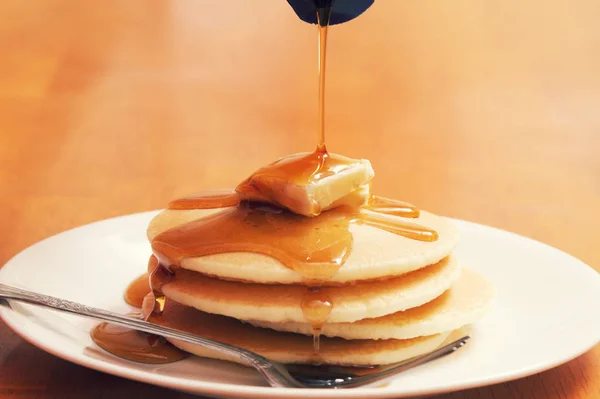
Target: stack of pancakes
394	298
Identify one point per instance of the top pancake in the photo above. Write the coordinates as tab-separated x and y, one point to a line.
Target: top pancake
375	254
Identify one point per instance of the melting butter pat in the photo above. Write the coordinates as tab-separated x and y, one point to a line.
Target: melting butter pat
308	184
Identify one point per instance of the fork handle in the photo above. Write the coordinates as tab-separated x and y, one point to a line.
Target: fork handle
273	372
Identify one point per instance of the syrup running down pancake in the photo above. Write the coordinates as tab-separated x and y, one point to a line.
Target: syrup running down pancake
373	253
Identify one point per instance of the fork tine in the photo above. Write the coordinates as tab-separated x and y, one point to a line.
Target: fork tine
410	363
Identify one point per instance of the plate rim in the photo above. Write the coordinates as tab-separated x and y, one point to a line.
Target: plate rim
219	388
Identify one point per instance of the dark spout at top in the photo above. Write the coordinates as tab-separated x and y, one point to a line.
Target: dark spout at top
341	10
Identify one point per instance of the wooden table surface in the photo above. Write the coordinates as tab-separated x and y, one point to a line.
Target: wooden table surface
481	110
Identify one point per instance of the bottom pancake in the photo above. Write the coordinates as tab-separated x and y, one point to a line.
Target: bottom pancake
288	347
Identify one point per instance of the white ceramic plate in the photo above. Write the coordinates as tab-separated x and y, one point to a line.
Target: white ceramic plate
545	313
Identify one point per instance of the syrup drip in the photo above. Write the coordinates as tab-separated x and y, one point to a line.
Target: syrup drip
316	308
159	276
410	230
392	207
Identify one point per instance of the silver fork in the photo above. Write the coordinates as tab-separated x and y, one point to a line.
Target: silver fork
276	374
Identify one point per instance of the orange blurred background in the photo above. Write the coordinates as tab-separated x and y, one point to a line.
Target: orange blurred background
476	109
